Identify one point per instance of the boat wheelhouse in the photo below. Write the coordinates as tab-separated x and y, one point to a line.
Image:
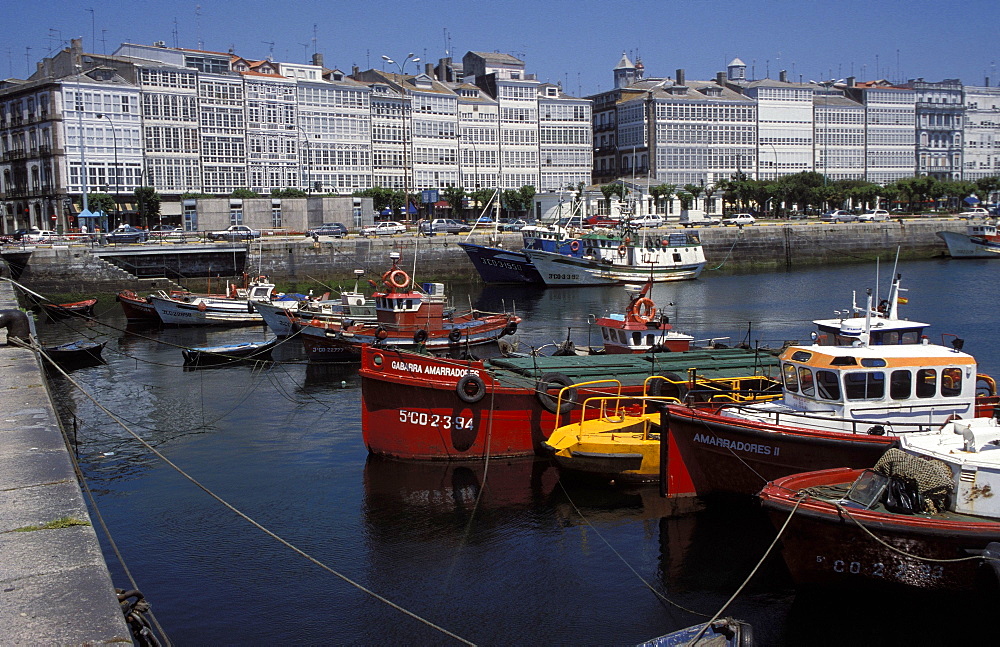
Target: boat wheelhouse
842	406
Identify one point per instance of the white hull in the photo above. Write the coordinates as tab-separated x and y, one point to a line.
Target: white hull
206	312
557	269
965	246
278	316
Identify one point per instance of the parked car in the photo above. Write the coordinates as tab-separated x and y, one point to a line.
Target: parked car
648	220
874	215
975	212
384	228
484	220
600	221
511	224
838	215
40	236
234	232
443	226
739	219
128	234
161	232
333	229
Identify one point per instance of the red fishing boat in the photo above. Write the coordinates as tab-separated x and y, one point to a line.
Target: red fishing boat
419	406
137	309
83	308
640	329
923	518
405	317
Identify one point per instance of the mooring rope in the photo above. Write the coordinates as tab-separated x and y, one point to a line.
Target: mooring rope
247	517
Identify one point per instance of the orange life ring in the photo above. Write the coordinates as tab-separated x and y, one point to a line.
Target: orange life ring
399	279
202	307
262	279
622	250
643	310
574	246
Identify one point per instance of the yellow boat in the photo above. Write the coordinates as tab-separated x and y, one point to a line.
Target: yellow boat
617	438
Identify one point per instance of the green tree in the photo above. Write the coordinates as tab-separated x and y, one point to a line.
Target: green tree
694	190
527	197
511	200
382	198
455	196
244	193
149	204
661	193
101	202
986	186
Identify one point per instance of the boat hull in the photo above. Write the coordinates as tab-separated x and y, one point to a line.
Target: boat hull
236	313
827	546
411	407
727	455
278	317
498	265
560	270
137	309
965	246
229	354
76	353
63	310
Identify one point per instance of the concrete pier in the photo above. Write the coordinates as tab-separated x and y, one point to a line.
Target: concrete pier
762	247
54	583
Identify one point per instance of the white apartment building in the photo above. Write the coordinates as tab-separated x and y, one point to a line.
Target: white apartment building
272	134
840	135
435	128
503	78
981	132
784	127
890	130
479	137
565	139
335	120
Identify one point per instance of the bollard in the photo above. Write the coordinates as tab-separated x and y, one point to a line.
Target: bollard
16	323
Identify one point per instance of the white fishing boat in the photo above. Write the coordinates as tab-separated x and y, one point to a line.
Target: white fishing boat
236	309
978	241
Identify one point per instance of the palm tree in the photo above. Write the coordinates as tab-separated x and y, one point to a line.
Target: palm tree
695	190
661	193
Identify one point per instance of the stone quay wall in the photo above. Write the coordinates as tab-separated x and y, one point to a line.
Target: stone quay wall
301	262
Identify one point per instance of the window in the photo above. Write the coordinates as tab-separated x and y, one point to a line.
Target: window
864	386
900	385
806	381
951	382
791	378
926	383
827	385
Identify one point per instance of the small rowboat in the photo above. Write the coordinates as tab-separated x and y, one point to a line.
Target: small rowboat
76	353
229	353
62	310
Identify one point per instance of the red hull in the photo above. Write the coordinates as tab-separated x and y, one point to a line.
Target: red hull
410	408
823	546
726	455
137	308
63	310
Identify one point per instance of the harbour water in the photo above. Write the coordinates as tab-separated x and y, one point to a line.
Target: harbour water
497	553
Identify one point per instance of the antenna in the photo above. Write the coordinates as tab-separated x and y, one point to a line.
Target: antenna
174	32
197	19
27	61
314	38
270	50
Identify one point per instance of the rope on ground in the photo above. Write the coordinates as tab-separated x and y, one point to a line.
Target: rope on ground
245	516
753	572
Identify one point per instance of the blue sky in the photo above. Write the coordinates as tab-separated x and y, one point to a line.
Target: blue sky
573	42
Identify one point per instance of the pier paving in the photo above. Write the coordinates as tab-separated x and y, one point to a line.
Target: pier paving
55	587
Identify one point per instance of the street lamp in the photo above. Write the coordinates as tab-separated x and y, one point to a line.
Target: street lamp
114	137
402	88
308	145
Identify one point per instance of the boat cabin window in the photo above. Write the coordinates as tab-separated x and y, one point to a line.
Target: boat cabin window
951	382
651	339
636	338
900	385
926	383
806	381
791	377
801	356
864	385
872	362
677	257
827	385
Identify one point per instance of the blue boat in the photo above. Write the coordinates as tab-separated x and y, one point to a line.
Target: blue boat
229	353
499	265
